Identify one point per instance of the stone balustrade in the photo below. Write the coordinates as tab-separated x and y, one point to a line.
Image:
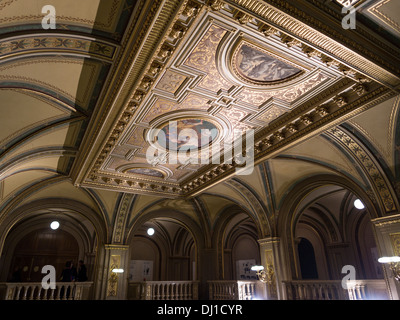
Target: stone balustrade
163	290
35	291
236	290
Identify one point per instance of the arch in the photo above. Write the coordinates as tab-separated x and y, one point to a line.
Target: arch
176	215
289	213
219	232
44	205
189	229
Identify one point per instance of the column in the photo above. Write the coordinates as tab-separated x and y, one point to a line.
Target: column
387	234
272	260
114	285
207	270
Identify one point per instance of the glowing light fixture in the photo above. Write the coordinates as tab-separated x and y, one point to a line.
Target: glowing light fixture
264	276
358	204
257	268
389	259
118	270
54	225
394	265
150	231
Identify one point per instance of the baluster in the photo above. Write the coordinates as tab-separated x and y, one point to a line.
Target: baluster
326	293
18	296
25	288
32	292
52	291
58	292
314	292
358	292
300	291
40	289
307	292
363	293
73	291
162	289
180	290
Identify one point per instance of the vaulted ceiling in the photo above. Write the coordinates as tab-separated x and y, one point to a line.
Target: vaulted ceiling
80	102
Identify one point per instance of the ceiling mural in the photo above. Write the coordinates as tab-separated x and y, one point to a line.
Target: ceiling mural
254	65
187	134
216	80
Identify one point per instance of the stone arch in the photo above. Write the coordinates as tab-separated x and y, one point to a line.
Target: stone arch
39	207
288	214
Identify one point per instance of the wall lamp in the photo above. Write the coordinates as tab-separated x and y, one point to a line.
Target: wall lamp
264	276
394	265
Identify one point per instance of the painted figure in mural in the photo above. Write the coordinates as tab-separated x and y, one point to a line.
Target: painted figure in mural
259	66
188	134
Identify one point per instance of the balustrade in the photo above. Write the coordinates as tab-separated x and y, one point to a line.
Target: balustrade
235	290
333	290
163	290
35	291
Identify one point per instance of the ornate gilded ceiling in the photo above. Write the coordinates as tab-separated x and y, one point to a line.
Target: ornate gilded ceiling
88	96
225	67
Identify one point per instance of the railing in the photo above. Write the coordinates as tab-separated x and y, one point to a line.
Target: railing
35	291
235	290
367	290
333	290
315	290
163	290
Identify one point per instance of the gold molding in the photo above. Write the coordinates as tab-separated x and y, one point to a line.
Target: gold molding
374	10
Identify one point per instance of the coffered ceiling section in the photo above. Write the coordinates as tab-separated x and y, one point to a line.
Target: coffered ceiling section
209	74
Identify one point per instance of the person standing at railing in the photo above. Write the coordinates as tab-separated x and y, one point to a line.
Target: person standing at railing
81	272
69	273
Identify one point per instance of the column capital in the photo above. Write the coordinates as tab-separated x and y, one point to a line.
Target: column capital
269	240
116	247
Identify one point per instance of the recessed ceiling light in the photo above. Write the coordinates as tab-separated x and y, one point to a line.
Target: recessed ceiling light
358	204
150	231
55	225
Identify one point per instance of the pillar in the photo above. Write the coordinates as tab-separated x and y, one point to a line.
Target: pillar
207	269
387	234
113	286
272	260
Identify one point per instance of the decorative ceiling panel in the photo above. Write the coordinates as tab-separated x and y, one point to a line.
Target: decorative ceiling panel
216	74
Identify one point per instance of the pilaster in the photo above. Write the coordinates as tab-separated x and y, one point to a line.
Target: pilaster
273	262
387	233
114	285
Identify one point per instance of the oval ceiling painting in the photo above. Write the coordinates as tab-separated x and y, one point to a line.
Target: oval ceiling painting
146	172
187	134
259	67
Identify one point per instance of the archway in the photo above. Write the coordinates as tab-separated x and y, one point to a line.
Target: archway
80	232
322	211
168	253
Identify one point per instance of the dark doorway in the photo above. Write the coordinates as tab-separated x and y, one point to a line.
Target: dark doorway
308	264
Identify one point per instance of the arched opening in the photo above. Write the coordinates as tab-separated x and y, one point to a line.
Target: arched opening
241	249
40	248
329	232
308	264
30	243
168	254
